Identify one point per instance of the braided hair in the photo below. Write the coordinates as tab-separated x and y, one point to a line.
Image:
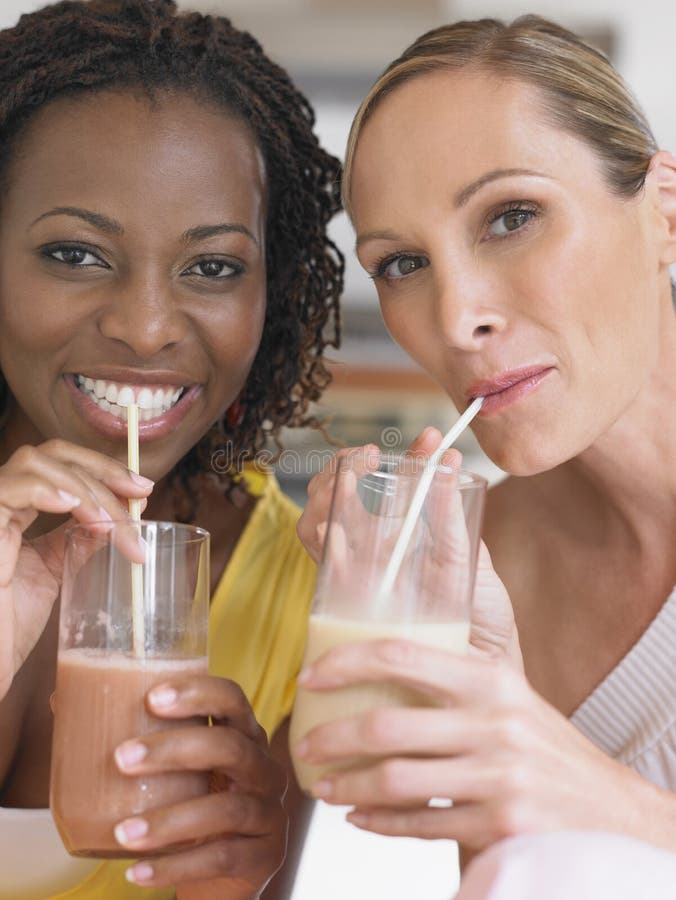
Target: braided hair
74	46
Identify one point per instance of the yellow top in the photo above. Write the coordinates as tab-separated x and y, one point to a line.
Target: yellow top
257	628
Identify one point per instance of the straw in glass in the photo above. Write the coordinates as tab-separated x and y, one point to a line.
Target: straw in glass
138	624
419	495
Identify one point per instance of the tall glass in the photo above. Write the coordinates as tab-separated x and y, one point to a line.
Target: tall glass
430	602
108	660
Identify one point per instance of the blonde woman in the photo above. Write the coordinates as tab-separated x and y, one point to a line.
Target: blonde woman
518	221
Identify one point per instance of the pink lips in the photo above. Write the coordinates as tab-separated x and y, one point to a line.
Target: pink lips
508	387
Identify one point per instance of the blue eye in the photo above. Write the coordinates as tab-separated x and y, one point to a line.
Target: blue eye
393	268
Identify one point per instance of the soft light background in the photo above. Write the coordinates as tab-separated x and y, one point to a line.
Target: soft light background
335	48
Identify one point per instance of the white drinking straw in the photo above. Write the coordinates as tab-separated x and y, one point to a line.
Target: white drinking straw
138	624
419	495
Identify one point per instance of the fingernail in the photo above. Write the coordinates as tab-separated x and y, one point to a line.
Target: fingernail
70	498
130	754
104	515
141	480
323	789
131	830
305	676
358	819
163	696
140	873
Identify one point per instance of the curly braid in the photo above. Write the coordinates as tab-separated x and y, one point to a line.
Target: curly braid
76	46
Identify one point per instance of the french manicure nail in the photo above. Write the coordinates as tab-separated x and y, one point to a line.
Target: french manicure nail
131	830
163	696
69	498
130	754
140	873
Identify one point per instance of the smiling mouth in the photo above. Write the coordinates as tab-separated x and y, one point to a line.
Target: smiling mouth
114	397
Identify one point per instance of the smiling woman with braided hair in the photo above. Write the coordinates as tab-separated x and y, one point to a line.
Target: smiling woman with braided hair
163	213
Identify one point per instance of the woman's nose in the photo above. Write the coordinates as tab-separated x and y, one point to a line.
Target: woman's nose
145	316
468	311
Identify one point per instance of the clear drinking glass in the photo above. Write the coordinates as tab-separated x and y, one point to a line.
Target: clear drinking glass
107	662
430	601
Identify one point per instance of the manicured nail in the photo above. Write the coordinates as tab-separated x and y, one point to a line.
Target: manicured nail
323	789
140	873
130	754
361	820
131	830
305	676
141	480
70	498
163	697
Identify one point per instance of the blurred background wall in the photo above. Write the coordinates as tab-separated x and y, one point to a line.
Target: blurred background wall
335	49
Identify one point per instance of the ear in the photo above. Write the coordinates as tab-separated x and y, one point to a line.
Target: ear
661	183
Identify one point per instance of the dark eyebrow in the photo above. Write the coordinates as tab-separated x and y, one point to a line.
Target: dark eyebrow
95	219
463	195
202	232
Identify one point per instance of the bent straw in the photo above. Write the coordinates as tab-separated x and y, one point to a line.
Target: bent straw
138	624
419	495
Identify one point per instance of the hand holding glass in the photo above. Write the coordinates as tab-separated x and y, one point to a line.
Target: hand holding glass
430	602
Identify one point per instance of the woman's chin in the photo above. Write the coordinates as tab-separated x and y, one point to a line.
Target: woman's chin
523	458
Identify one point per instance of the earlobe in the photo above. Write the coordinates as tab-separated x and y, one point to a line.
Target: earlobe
661	178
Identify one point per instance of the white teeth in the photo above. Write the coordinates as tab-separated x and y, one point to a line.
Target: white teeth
115	399
145	398
125	396
158	398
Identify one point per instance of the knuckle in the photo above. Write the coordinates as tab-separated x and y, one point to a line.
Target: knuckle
222	856
55	446
26	455
516	782
509	730
377	728
390	777
509	819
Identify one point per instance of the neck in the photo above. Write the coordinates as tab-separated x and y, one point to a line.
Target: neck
628	476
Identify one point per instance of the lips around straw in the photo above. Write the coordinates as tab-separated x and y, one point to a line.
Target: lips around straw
138	624
419	495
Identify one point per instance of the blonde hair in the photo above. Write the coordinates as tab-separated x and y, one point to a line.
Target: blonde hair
581	91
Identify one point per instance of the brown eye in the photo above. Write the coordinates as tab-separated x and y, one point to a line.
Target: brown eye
214	268
72	255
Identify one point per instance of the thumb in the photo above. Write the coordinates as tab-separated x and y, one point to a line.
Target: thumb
425	443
